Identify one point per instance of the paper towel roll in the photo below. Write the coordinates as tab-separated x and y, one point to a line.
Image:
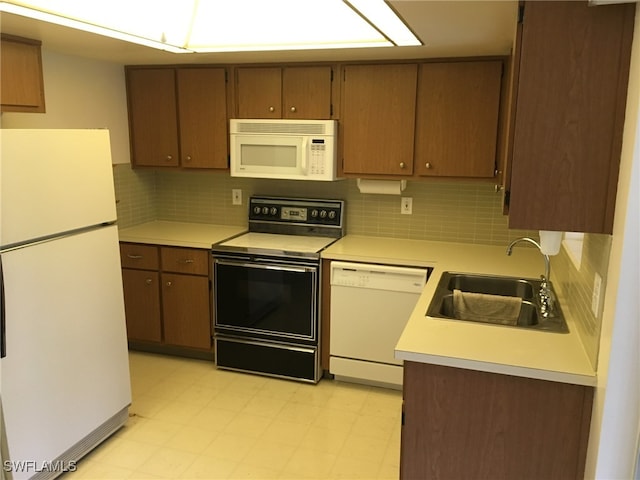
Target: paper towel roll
550	242
386	187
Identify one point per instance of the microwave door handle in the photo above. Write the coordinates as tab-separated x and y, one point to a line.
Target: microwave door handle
305	142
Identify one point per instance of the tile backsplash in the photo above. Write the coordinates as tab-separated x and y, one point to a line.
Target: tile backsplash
445	211
575	287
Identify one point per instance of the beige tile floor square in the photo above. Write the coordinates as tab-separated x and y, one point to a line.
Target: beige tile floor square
190	420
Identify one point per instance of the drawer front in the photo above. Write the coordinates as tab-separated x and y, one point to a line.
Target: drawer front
136	255
185	260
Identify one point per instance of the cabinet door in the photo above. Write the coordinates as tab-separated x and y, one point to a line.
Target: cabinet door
457	119
142	304
259	92
574	67
185	308
21	82
202	113
460	423
307	93
153	120
378	119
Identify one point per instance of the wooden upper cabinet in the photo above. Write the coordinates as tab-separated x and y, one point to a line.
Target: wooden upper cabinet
457	119
21	78
178	117
378	118
284	92
306	93
202	114
569	115
259	92
153	121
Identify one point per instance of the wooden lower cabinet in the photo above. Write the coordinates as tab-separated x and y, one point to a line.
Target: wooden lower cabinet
142	304
185	310
465	424
167	298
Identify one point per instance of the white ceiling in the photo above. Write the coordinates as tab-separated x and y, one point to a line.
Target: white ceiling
449	28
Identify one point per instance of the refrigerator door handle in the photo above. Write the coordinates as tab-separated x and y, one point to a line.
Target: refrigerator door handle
3	329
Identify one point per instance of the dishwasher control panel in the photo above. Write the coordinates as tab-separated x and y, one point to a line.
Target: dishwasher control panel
379	277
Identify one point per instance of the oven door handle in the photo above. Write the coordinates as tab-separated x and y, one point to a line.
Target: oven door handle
264	266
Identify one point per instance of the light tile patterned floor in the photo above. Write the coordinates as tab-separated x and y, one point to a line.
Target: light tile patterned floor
190	420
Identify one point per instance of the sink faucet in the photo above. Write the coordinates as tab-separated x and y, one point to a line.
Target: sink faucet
546	294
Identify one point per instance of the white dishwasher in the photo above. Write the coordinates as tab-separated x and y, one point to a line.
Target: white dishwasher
370	305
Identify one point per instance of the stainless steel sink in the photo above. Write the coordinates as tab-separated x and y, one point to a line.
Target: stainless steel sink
442	304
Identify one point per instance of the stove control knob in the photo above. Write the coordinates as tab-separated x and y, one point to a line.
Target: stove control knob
256	210
332	214
314	213
265	210
274	210
323	213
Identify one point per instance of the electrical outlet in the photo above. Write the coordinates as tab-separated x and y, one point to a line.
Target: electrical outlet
595	296
236	196
406	205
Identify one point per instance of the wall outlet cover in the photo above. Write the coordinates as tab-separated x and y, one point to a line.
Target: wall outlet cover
406	205
236	196
595	296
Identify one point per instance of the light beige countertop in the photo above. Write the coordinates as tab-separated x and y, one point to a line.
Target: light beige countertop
476	346
179	234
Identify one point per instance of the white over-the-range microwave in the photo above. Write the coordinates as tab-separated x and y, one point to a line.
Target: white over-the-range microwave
283	149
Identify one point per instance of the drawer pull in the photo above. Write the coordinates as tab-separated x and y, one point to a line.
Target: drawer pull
134	257
186	260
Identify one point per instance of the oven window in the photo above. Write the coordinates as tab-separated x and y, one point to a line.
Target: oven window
281	300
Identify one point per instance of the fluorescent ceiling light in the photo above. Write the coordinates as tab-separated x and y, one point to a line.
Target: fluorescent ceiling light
223	26
107	25
379	13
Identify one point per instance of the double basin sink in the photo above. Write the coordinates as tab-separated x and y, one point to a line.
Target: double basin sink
496	288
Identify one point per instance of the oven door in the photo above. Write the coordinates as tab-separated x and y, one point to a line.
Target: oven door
266	298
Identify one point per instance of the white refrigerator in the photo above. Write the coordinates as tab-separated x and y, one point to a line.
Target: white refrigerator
64	381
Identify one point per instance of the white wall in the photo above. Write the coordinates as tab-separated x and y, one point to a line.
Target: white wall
615	426
81	93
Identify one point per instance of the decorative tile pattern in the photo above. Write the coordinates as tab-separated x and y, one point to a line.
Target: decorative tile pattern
576	287
444	211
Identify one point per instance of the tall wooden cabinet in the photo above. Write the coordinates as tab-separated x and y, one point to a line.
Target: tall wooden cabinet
457	119
290	92
21	77
167	298
460	424
570	96
178	117
378	118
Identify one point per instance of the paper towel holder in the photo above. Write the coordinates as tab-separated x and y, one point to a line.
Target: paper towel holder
388	187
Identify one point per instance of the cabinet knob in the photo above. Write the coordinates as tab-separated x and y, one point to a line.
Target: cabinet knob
148	281
168	284
188	158
402	165
169	158
428	165
293	109
272	109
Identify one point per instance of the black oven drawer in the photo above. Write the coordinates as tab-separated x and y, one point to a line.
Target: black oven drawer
273	359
